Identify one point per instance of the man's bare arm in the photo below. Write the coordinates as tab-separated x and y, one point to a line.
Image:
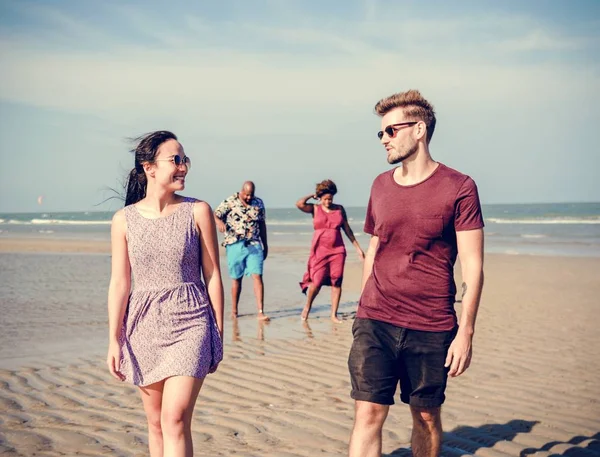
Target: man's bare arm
470	252
369	259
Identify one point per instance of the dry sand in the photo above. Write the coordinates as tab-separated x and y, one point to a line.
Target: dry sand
533	386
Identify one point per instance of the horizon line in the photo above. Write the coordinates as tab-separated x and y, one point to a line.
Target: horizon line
293	207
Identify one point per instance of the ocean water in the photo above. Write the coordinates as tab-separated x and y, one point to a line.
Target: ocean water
571	229
53	305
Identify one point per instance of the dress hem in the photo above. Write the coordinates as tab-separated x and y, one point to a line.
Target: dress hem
162	378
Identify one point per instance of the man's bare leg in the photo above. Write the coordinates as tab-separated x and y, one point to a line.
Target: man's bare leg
259	293
426	438
368	424
236	290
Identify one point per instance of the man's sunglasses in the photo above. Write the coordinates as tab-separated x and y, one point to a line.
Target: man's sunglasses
392	129
177	160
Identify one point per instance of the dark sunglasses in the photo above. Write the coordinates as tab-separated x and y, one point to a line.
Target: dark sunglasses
177	160
391	129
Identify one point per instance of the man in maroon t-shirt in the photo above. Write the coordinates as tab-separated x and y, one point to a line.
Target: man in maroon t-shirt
421	215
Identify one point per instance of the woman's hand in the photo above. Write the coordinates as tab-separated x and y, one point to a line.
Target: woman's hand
113	360
214	368
361	254
306	207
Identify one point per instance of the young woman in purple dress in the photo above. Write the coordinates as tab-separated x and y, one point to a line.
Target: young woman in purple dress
165	299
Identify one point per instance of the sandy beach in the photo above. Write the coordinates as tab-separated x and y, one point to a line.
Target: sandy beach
283	388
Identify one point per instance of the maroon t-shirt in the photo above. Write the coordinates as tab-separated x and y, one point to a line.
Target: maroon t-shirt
412	283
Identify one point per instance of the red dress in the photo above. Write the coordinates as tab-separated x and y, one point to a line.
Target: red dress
327	251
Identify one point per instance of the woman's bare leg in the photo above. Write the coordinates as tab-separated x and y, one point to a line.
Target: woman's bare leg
336	294
179	398
152	399
311	294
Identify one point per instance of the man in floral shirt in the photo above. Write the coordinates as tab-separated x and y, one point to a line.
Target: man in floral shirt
241	218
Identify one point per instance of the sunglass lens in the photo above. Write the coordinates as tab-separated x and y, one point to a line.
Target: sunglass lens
390	131
380	134
177	160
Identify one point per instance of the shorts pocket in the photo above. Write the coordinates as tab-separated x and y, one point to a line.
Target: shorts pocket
354	324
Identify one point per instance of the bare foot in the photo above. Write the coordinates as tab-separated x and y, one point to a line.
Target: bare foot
307	328
335	320
234	315
304	314
263	317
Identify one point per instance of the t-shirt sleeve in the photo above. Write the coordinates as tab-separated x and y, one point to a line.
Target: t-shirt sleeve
468	214
222	210
370	219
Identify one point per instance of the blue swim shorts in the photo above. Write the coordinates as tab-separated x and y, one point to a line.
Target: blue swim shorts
244	258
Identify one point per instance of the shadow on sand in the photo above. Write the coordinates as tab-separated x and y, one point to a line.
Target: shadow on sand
468	440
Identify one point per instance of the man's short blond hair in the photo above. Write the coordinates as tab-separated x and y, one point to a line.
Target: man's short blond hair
414	106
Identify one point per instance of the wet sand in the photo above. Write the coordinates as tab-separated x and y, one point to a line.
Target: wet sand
283	388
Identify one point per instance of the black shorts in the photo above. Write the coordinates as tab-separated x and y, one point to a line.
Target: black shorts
383	354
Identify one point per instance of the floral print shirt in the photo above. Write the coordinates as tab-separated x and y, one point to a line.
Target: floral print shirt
242	222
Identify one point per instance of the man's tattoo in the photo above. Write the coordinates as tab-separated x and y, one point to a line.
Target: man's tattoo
464	289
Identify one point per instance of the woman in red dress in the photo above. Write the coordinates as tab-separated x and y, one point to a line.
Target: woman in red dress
327	251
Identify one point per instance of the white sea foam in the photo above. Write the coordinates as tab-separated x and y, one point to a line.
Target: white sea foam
558	220
275	222
65	222
308	221
52	222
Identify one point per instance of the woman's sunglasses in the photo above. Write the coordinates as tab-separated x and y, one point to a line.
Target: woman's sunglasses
177	160
391	129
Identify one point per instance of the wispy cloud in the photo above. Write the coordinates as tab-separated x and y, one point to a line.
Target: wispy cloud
266	68
543	40
282	82
50	26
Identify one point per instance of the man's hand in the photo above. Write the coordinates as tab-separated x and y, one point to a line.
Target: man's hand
221	225
459	354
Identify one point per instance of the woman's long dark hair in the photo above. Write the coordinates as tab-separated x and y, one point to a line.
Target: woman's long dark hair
145	151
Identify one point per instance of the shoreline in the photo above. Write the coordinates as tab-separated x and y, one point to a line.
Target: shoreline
80	245
283	388
74	245
38	244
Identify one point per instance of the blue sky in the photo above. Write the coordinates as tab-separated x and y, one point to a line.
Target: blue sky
282	92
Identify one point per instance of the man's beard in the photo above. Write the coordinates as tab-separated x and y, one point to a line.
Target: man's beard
394	159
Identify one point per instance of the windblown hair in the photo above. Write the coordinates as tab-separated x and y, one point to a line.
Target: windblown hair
326	187
145	151
413	104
